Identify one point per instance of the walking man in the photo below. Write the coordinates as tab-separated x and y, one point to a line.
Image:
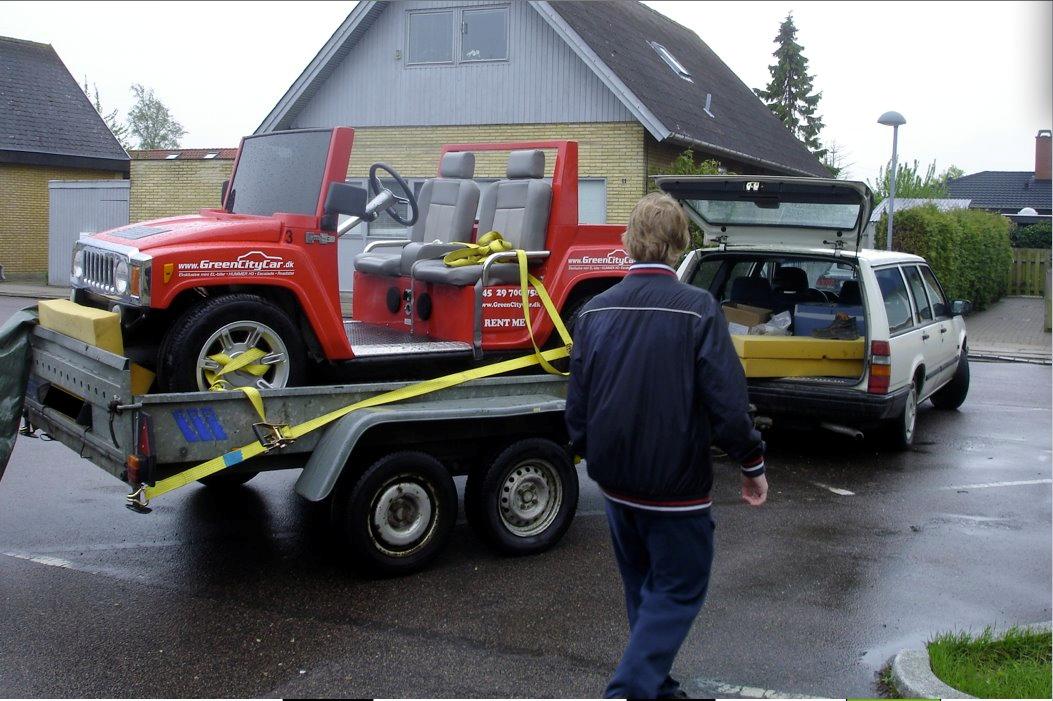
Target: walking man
654	380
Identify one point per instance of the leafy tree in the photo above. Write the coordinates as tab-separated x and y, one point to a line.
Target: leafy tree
118	129
685	164
911	183
152	122
789	94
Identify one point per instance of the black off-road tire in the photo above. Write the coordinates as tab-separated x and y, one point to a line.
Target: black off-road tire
952	395
354	513
177	359
492	497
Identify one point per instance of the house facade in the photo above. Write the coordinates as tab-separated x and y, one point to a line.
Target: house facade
168	183
49	131
634	88
1026	196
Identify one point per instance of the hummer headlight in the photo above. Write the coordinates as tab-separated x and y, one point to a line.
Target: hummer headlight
120	277
78	265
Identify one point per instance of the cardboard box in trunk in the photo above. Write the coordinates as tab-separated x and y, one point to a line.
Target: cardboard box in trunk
744	314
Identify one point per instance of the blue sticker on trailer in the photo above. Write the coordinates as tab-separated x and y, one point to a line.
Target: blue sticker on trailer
199	425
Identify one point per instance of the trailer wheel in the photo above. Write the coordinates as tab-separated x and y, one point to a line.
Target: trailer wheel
217	331
524	501
399	514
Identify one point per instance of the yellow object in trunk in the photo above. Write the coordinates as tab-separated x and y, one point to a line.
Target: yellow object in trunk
96	327
792	356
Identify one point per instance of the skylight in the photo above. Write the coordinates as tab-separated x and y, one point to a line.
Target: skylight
671	61
210	155
171	156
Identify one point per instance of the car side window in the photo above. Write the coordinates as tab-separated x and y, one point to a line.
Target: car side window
897	303
940	308
917	290
706	273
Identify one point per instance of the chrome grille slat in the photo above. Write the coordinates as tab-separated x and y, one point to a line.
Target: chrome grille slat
100	270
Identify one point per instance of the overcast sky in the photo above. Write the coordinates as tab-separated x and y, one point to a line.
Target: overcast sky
973	79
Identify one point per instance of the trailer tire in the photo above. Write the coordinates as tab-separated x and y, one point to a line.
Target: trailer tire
524	501
399	514
178	369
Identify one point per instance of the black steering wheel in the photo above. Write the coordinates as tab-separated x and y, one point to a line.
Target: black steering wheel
375	188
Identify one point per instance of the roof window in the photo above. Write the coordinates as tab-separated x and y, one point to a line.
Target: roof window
171	156
670	59
209	156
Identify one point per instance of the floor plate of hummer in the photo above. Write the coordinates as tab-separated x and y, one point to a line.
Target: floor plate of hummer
374	340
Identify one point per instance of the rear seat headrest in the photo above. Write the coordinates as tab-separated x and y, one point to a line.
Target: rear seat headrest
459	164
526	164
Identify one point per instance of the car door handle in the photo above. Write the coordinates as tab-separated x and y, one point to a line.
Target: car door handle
925	337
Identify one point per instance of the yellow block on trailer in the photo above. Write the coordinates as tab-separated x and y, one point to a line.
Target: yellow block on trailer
793	356
96	327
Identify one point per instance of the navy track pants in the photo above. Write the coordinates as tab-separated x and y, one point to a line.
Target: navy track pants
664	559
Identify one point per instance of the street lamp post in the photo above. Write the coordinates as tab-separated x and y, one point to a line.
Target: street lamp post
894	120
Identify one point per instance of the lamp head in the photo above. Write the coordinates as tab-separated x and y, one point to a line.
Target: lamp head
892	119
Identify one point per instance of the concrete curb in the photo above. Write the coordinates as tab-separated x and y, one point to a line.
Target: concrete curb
913	677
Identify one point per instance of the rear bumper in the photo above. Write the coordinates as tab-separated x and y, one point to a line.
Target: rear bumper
812	403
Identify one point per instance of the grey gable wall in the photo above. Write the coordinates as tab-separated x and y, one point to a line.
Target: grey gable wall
543	81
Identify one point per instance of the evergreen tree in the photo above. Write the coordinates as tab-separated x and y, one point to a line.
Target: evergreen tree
789	94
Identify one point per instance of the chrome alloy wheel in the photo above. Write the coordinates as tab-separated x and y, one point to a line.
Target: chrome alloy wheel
530	498
270	371
910	415
402	517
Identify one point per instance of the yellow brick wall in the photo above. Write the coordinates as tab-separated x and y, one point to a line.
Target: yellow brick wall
169	188
24	216
613	150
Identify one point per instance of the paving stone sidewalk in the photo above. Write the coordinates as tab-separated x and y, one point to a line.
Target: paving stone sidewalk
1012	327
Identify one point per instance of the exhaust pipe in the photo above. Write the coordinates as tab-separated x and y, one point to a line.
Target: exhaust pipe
843	430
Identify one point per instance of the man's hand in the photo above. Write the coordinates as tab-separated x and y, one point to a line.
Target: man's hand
755	490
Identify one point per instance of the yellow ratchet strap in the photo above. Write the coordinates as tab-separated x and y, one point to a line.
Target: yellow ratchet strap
475	253
277	436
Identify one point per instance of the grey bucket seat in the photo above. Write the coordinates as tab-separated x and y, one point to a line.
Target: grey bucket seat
517	208
447	206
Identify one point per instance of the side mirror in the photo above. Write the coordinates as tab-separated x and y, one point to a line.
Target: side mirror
343	198
223	193
960	307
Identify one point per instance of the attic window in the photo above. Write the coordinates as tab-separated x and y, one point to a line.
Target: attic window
171	156
670	59
209	156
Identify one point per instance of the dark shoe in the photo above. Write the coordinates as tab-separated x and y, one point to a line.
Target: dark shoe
843	328
678	694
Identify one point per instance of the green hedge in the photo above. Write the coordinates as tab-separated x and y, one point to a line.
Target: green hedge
1030	236
968	249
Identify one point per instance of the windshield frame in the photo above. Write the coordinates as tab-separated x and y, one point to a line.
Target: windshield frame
325	167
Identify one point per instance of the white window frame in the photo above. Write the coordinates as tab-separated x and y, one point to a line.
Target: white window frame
458	35
672	61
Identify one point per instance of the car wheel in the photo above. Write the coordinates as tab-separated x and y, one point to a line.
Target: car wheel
525	500
209	336
900	430
399	514
952	395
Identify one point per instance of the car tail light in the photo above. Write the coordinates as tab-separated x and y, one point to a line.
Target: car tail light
140	463
880	367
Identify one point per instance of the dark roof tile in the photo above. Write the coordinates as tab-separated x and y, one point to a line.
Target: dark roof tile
620	33
44	110
1004	190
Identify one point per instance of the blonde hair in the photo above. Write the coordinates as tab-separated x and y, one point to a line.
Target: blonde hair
657	230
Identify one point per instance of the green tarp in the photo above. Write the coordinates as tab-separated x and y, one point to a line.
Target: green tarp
14	373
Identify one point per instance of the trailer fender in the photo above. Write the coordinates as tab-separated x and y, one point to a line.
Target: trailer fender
330	456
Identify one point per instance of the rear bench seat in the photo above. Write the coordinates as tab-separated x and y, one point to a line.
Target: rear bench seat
517	208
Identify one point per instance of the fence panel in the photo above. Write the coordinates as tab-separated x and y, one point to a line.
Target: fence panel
1028	276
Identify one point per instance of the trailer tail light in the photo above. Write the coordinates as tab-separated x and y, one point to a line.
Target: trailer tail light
140	463
880	367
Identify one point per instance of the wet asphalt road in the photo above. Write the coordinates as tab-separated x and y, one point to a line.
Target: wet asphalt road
249	596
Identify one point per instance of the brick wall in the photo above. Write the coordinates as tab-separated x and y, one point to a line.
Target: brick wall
162	188
24	216
614	151
660	157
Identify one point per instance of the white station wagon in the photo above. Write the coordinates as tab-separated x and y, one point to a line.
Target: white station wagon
787	242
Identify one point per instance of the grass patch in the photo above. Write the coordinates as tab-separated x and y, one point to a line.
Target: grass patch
1013	665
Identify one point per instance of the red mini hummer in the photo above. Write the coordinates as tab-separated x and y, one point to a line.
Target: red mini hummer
257	279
